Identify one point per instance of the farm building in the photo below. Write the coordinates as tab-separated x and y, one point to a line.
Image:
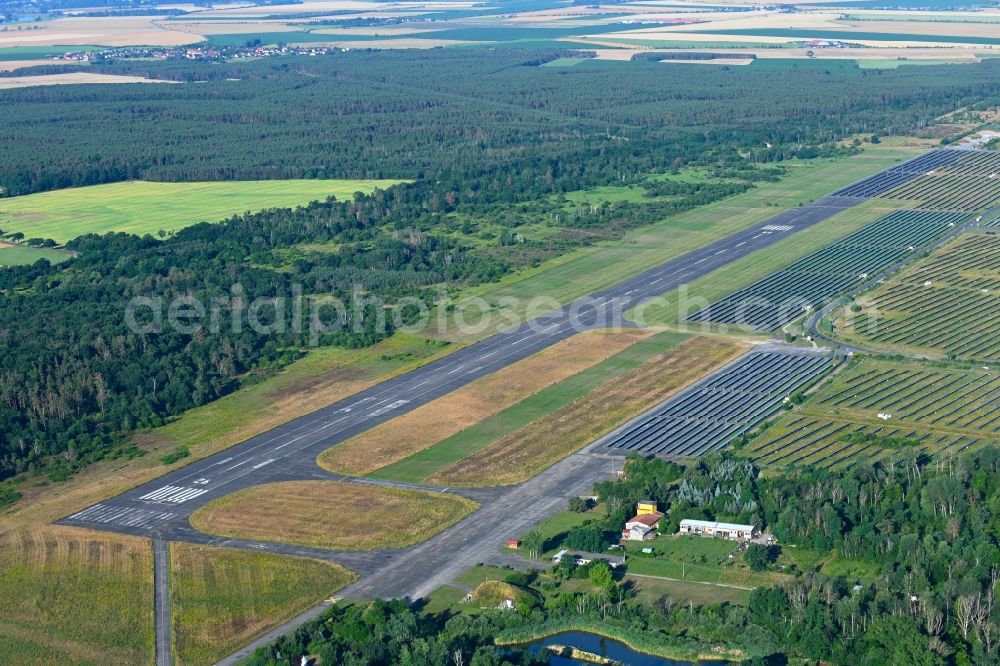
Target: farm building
643	524
731	531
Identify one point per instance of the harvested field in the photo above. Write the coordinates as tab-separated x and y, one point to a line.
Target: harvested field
948	304
522	454
73	78
332	514
926	412
222	598
103	31
433	422
56	584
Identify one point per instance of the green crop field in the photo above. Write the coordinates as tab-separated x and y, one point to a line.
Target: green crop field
22	255
947	304
141	207
925	411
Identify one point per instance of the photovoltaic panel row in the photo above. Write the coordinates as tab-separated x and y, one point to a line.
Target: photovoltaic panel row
785	295
730	403
883	181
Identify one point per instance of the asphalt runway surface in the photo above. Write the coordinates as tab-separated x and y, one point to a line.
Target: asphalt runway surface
161	507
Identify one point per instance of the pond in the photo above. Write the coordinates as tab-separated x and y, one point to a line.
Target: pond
601	646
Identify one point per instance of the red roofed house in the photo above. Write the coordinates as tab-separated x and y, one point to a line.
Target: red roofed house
643	525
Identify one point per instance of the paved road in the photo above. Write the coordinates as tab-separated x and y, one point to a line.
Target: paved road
161	508
161	601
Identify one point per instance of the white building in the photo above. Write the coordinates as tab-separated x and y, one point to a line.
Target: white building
731	531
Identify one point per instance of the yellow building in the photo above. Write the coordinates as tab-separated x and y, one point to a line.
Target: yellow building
645	508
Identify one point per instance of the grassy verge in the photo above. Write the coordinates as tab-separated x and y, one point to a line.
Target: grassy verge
427	424
479	435
331	514
141	207
71	596
527	451
222	598
700	594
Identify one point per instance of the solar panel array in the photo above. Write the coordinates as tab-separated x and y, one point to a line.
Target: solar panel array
883	181
711	414
783	296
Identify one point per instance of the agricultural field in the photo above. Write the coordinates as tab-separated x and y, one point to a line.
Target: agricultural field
527	451
222	598
332	514
946	305
72	78
714	412
786	295
56	586
22	255
439	419
141	207
925	411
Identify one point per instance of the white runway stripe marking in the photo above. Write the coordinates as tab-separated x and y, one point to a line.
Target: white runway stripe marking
173	494
126	516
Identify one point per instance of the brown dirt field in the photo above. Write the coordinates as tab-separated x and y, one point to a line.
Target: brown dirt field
332	514
405	435
8	83
526	452
107	31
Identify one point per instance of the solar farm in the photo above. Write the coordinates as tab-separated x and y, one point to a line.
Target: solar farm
884	181
877	409
723	406
947	304
946	187
784	296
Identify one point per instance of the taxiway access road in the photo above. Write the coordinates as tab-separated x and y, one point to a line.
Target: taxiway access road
161	508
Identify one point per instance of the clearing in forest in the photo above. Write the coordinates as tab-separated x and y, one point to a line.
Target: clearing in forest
142	207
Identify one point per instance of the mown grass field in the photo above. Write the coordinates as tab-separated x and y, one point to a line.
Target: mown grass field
529	450
332	514
932	411
141	207
592	268
222	598
450	450
22	255
57	585
411	433
946	305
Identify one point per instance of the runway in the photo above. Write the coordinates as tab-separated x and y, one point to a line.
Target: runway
161	508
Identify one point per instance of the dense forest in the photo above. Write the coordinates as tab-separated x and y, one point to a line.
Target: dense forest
928	533
491	140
